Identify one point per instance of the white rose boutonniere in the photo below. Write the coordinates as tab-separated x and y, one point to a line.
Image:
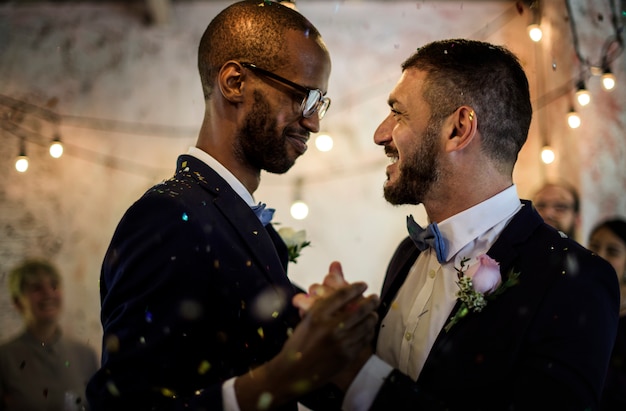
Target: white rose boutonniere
478	284
295	241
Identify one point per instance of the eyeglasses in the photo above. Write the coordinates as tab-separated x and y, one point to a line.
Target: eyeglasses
313	100
560	208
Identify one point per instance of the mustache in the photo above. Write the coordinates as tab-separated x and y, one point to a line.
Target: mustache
392	151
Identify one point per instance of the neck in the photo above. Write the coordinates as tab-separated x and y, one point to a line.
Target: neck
453	200
211	140
45	332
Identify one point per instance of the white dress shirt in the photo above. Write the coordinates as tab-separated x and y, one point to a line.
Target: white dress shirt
428	295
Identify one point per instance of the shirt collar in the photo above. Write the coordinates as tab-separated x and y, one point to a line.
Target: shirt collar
224	173
466	226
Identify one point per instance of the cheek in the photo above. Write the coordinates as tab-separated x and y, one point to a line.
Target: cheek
405	142
620	264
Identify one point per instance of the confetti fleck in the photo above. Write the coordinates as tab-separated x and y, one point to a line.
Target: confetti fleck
260	332
67	364
265	400
268	301
248	263
185	217
204	367
302	385
166	392
148	316
190	310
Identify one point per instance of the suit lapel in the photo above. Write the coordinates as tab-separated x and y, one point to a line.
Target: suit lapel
263	242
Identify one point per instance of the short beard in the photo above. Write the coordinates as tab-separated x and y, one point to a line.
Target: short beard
258	143
418	172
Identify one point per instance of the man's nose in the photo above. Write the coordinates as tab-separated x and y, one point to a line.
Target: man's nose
382	135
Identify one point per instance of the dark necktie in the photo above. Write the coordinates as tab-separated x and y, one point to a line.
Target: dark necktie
263	213
428	237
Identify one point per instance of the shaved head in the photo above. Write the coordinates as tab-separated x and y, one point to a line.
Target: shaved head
251	31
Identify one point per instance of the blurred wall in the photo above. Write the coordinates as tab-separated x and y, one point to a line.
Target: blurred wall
125	98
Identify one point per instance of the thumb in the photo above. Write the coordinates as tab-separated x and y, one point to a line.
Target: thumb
335	278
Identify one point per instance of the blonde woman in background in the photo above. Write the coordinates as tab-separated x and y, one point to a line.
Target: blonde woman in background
41	368
608	240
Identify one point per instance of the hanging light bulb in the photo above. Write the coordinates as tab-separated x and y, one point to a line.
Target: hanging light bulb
534	32
534	28
547	154
56	148
324	142
582	94
608	79
573	119
21	163
299	209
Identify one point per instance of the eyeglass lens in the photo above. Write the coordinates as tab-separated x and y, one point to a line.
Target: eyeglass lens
315	102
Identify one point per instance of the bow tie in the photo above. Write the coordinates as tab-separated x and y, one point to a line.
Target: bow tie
263	214
429	237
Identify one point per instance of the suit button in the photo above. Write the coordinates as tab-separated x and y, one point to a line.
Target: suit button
407	336
432	273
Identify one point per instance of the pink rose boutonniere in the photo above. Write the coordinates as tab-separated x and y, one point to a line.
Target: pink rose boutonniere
478	284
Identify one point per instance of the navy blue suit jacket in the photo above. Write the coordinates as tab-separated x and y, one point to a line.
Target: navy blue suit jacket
193	291
544	344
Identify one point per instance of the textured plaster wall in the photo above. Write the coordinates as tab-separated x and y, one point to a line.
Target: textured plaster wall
125	98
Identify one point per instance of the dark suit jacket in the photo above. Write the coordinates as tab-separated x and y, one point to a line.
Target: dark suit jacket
544	344
194	291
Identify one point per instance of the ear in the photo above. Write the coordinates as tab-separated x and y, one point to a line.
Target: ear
465	127
230	81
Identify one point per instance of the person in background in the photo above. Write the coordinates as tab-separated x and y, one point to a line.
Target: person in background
42	368
195	300
487	308
559	206
608	240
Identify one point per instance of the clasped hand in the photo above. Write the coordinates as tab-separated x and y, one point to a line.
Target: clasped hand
339	311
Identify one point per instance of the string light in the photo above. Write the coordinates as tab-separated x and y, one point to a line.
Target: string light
582	94
573	119
534	32
608	79
56	148
21	163
534	28
324	142
299	209
547	154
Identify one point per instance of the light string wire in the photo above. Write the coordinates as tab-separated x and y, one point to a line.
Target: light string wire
178	132
614	39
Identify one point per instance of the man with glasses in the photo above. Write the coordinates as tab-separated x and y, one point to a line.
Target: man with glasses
558	205
196	303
